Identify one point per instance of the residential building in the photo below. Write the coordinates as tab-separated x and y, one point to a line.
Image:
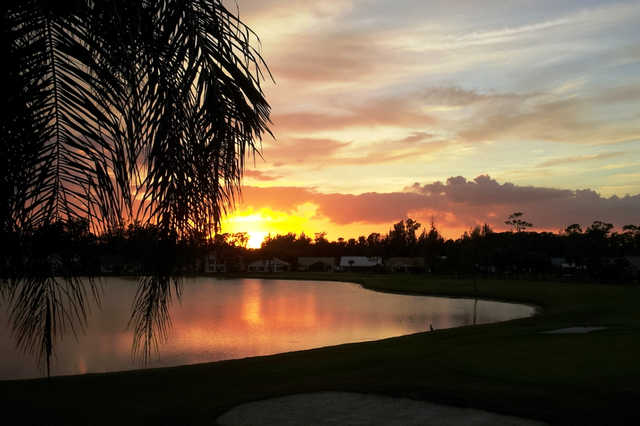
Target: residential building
360	263
317	264
405	264
214	264
269	265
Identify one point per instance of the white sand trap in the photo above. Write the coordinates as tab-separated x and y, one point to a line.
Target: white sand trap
574	330
342	408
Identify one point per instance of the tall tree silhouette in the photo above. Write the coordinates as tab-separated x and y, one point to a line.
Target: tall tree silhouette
517	223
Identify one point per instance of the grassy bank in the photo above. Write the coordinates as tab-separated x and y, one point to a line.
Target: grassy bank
508	367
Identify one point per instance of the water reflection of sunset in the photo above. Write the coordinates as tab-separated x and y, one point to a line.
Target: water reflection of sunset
252	304
224	319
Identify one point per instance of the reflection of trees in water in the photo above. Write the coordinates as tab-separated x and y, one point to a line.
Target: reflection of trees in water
43	308
150	316
48	294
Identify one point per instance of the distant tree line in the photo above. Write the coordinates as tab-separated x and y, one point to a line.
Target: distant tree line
597	252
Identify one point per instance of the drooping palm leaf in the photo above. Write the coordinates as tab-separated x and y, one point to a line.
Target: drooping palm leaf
209	110
44	308
150	317
134	110
118	111
66	154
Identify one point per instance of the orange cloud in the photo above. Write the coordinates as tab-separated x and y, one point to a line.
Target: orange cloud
322	152
258	175
336	57
396	111
303	150
456	204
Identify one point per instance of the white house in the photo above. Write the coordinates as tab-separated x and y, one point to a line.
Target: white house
214	264
269	265
317	264
360	263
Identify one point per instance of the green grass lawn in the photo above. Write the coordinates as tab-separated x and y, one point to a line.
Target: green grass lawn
507	367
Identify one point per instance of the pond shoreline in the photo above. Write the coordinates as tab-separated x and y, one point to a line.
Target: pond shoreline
215	320
506	367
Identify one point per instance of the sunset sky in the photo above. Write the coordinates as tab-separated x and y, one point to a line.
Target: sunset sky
464	111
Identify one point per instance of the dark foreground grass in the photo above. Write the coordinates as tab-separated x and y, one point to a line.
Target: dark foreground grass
509	367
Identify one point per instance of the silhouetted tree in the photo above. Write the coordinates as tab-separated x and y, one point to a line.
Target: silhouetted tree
517	223
631	238
402	239
431	244
573	229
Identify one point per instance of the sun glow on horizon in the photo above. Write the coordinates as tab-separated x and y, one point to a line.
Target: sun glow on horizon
259	223
256	238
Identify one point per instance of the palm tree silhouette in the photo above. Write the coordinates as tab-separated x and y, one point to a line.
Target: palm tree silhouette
118	111
127	110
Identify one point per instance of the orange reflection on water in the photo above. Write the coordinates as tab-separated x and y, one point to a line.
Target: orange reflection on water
290	311
252	304
82	365
223	319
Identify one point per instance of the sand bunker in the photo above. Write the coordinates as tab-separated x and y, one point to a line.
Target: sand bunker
341	408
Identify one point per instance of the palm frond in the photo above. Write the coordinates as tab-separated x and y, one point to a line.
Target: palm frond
120	111
210	111
129	111
44	308
150	317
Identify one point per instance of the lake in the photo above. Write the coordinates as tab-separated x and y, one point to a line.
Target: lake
215	319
